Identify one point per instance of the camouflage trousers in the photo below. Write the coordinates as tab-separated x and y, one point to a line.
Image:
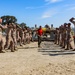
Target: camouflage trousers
39	40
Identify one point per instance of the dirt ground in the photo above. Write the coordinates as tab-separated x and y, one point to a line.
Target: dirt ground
31	60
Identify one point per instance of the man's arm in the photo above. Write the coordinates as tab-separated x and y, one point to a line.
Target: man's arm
3	27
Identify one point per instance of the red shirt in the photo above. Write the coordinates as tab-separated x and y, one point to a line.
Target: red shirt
40	31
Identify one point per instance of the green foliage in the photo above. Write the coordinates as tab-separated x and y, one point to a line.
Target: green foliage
23	25
47	26
12	19
8	19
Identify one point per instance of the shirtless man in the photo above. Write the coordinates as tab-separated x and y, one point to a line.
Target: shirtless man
57	36
18	35
9	39
68	36
27	36
55	40
30	34
14	36
23	37
2	38
64	35
72	20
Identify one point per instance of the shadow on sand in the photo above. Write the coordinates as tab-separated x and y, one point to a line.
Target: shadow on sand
27	47
55	52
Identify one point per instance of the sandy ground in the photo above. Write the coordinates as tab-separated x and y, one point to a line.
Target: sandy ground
31	60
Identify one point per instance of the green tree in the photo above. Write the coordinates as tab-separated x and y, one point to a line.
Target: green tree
8	19
23	25
47	26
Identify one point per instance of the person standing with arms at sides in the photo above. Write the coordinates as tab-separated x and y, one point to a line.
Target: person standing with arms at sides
40	33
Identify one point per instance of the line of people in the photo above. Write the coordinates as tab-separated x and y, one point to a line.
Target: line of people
12	35
64	37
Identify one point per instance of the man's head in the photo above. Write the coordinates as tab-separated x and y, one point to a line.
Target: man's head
14	25
71	19
69	25
40	27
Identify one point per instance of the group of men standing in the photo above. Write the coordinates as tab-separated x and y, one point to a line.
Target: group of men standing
64	36
15	35
11	35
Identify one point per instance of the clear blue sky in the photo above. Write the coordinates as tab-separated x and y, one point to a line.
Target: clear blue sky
40	12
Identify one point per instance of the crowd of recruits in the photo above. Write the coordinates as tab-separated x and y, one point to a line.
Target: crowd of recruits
17	35
64	37
13	36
